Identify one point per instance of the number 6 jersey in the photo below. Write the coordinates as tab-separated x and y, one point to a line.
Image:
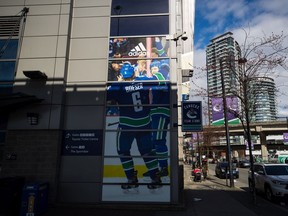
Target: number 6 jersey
133	100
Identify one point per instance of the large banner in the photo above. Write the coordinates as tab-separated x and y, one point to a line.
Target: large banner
218	110
285	138
137	144
148	57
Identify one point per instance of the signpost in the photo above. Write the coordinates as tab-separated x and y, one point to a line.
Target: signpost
192	116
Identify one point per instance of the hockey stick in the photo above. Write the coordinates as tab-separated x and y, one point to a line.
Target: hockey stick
113	123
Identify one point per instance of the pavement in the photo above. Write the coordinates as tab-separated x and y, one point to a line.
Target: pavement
206	198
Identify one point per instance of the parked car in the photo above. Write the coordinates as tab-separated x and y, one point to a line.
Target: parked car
270	179
222	169
244	163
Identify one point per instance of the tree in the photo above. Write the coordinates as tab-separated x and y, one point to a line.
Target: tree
258	60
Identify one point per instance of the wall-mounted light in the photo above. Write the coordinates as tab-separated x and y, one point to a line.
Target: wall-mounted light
35	74
33	118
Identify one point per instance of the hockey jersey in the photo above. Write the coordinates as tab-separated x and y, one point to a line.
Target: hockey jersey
133	101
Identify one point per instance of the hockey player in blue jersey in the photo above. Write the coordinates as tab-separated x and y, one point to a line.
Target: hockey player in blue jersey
160	118
133	99
159	51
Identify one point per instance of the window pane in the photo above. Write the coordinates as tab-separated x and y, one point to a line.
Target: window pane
9	50
148	47
125	7
148	56
7	71
148	69
129	26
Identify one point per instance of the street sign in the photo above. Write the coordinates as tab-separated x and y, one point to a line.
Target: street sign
82	142
192	116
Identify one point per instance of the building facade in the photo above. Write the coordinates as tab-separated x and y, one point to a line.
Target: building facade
263	99
220	60
67	95
222	56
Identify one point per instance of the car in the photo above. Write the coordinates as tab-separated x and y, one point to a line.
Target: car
244	163
222	170
270	179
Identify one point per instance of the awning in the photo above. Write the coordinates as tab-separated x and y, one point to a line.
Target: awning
16	100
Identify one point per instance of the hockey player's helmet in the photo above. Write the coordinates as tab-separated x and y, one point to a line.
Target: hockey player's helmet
127	70
155	64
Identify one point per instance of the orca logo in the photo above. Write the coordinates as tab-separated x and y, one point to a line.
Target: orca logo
192	114
217	107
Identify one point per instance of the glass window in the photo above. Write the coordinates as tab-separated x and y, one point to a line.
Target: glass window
147	56
148	25
144	47
125	7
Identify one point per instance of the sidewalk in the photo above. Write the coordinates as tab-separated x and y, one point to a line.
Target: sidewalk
206	198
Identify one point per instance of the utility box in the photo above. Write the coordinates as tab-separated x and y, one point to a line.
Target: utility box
34	199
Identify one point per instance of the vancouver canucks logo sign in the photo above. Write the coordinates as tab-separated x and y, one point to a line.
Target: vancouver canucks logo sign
191	116
217	108
192	113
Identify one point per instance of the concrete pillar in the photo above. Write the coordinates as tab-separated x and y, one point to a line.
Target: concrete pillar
264	150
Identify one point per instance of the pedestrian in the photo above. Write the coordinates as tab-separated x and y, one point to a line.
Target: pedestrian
205	170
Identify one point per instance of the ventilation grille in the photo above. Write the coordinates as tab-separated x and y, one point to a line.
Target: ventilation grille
9	26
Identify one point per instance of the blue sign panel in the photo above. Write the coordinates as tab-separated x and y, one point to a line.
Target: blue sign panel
82	142
192	116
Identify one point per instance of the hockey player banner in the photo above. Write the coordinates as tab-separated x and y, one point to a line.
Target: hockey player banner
192	116
147	55
137	144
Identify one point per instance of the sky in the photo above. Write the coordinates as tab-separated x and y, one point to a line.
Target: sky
259	17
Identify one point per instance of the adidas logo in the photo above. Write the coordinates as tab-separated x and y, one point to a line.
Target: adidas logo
138	50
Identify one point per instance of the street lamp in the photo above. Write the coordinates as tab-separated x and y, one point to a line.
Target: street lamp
228	151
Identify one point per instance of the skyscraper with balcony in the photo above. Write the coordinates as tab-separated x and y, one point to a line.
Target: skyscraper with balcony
263	99
220	58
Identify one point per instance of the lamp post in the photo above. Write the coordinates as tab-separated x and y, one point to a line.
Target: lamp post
228	151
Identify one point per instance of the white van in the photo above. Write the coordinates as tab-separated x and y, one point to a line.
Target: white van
279	157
